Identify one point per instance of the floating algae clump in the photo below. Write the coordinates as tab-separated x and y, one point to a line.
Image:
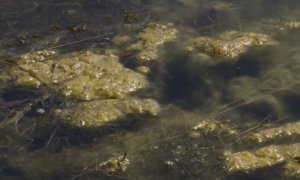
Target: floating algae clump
143	69
84	76
149	40
87	76
210	127
292	25
38	56
115	165
121	40
265	157
97	113
247	161
231	44
289	130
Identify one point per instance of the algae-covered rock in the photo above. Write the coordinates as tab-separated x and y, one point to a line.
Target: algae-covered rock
115	165
208	126
264	157
292	25
149	40
199	42
288	130
121	40
145	106
87	114
231	44
292	168
143	69
110	51
38	56
236	46
84	76
157	34
147	55
100	112
87	76
243	161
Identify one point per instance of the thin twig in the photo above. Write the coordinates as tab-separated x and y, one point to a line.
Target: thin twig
51	137
249	93
36	5
33	125
95	37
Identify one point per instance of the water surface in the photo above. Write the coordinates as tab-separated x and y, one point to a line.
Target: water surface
188	88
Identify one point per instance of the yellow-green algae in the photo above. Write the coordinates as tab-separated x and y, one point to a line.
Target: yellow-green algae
150	38
288	130
115	165
38	56
121	40
100	112
265	157
292	24
85	76
207	126
230	44
143	69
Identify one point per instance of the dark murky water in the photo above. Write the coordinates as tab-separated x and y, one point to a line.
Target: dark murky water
188	89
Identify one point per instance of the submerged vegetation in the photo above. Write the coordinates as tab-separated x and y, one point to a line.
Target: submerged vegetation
149	89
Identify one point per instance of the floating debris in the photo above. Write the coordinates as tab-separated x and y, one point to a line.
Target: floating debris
115	166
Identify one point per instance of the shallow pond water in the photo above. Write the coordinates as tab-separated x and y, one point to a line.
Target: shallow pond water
235	93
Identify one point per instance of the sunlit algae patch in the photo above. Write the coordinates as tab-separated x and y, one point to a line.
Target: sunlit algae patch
288	130
86	76
230	44
98	113
267	156
150	39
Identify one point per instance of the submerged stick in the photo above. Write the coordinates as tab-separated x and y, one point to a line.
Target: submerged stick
95	37
20	114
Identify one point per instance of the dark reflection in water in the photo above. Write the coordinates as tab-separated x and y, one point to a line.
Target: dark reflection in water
35	25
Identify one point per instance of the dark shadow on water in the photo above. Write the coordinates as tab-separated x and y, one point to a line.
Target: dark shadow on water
184	85
186	81
20	94
291	99
250	63
7	172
